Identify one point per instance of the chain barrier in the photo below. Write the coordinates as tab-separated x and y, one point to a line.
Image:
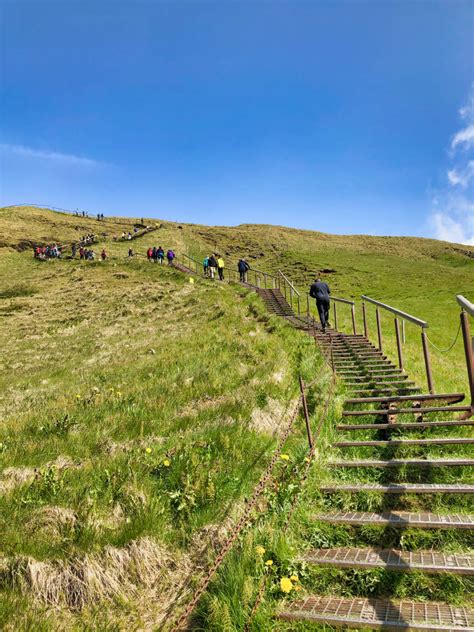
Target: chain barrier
302	481
241	523
450	347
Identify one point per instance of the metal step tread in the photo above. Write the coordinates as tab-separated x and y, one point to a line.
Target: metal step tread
402	442
399	519
386	614
405	411
393	559
401	488
413	425
401	462
451	397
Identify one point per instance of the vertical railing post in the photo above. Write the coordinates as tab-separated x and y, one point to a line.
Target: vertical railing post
399	344
469	352
307	305
426	354
291	297
335	314
299	306
364	318
403	331
353	314
306	414
379	328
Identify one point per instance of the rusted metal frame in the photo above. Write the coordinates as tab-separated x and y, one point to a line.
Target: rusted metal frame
399	344
306	413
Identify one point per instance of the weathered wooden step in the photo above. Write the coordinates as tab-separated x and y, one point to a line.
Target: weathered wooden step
406	411
415	425
399	519
393	559
380	614
381	382
401	488
442	397
403	462
402	442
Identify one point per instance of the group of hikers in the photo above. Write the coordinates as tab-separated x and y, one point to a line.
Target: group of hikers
52	251
87	239
89	254
212	264
157	255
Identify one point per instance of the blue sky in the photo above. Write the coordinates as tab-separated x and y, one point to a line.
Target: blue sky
340	116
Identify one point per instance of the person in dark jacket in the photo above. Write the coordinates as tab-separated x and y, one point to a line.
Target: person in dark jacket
212	264
243	267
320	291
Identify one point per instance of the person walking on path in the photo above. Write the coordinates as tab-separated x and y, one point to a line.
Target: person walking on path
205	266
220	267
130	252
320	291
243	268
160	253
170	256
212	266
103	254
149	253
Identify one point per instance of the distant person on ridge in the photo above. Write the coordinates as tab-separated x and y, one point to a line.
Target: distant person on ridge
320	291
220	267
103	254
243	268
130	252
212	266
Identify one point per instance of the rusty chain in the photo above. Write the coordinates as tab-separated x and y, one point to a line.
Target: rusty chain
240	524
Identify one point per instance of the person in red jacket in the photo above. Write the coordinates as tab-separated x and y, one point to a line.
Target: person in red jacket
149	253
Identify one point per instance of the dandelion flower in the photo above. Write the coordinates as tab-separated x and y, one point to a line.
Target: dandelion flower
259	550
119	394
166	463
78	396
286	585
297	587
307	459
269	563
284	457
294	578
148	450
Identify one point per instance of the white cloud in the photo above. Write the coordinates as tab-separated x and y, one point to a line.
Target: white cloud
461	176
56	156
464	138
448	229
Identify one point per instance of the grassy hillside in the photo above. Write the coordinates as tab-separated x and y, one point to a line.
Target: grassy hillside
138	409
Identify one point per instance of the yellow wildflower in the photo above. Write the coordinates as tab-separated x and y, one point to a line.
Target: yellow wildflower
166	463
119	394
307	459
286	585
294	578
269	563
259	550
78	396
284	457
297	587
148	450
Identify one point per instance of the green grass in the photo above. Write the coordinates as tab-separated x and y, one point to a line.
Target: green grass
137	415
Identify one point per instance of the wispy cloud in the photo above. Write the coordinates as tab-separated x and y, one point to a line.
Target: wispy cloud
452	216
56	156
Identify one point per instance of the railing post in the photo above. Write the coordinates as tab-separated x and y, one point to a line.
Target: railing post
335	314
379	328
399	344
264	280
469	352
307	305
353	319
403	332
306	414
426	354
299	306
364	318
291	297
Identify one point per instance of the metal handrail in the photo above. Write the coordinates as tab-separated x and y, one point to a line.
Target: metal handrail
341	300
289	282
397	312
466	305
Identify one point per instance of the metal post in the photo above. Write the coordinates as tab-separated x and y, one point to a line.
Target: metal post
264	280
399	344
426	354
307	305
403	332
291	297
353	314
364	318
332	353
306	414
469	352
335	315
299	306
379	328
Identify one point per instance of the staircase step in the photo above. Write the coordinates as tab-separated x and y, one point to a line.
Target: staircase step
385	614
399	519
405	411
377	391
401	488
409	425
401	462
442	397
392	559
402	442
